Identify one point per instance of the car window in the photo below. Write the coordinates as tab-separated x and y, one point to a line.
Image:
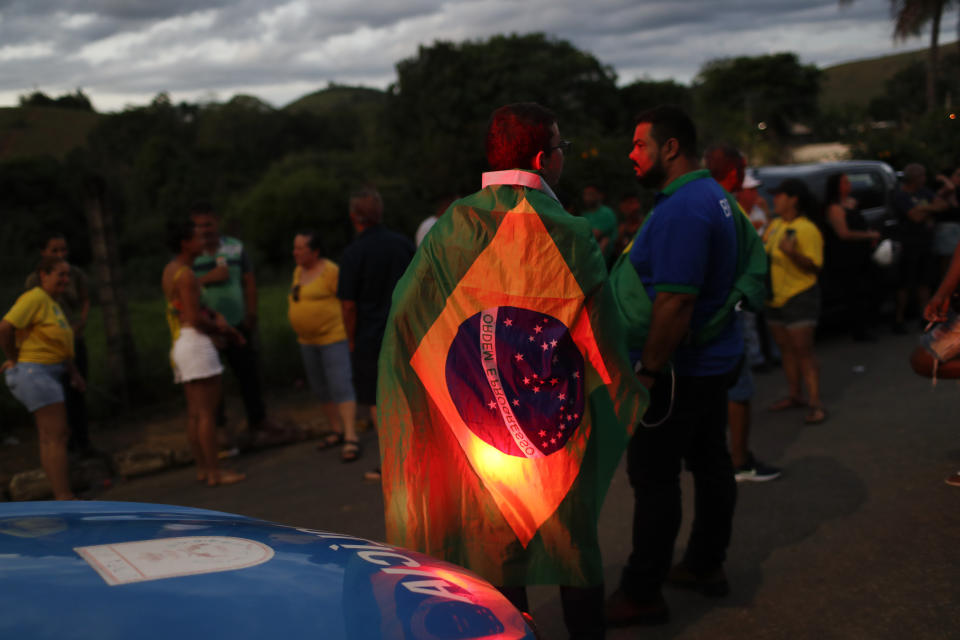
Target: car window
867	188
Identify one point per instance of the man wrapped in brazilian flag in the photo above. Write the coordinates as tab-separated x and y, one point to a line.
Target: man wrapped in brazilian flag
505	395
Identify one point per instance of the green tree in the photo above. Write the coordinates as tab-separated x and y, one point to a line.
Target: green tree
76	100
644	94
299	191
36	99
754	101
445	94
899	100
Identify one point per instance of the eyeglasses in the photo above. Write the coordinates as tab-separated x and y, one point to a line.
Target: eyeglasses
563	145
295	293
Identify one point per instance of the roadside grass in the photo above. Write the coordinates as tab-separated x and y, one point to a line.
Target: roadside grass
153	383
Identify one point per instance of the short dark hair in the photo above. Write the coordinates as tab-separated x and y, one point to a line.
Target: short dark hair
368	215
48	263
314	241
721	159
201	208
178	230
517	133
670	121
797	188
52	235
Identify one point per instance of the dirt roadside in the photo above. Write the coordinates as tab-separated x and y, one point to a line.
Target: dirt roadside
131	446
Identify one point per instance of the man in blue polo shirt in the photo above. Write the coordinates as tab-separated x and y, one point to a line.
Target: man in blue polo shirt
686	258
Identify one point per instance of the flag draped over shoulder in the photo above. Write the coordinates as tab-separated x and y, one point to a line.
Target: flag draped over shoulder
505	395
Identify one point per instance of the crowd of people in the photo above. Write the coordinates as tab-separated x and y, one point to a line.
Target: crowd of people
515	342
338	313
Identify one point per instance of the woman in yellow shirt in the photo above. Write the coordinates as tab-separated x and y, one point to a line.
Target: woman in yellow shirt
317	318
795	247
38	343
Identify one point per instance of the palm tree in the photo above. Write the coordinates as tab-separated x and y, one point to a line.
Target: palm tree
909	18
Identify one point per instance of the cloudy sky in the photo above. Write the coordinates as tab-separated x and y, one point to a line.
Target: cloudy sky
123	52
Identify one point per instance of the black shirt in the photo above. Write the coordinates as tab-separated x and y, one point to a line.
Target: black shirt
369	270
919	233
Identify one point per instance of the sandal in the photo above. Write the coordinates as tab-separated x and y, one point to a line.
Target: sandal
330	440
787	403
351	451
816	415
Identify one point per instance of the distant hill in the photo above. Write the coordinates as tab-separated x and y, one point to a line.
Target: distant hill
38	131
857	83
336	97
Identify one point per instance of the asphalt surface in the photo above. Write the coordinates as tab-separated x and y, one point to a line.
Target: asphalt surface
858	539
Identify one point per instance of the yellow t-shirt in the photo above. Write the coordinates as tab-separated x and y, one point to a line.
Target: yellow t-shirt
786	277
316	316
43	334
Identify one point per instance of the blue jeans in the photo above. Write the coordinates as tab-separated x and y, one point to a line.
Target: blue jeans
328	371
36	385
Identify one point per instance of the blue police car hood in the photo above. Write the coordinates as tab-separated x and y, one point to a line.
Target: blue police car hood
129	570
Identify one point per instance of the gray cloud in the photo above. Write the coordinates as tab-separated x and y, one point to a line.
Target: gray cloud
128	50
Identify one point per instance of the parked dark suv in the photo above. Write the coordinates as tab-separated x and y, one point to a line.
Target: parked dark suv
874	184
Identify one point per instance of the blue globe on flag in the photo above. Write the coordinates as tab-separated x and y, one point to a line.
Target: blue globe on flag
516	377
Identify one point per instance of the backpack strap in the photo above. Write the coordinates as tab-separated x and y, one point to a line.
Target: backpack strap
749	286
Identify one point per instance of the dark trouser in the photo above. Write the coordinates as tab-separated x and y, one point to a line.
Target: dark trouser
582	609
76	401
245	364
770	354
696	434
859	287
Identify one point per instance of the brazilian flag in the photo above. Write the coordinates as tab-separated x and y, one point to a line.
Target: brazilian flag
505	394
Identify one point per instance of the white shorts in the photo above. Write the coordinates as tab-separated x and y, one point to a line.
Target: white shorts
194	357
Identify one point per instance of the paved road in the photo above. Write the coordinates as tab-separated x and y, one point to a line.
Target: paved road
858	539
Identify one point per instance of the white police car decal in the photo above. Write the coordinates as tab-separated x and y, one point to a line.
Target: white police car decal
128	562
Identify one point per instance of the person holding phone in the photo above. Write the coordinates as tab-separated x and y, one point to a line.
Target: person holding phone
795	247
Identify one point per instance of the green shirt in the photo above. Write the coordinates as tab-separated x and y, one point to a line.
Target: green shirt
225	297
604	220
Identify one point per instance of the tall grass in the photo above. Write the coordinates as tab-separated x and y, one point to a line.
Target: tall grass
152	384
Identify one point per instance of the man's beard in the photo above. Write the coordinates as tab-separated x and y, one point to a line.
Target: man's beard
654	177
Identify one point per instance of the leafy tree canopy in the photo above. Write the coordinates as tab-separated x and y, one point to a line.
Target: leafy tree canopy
76	100
773	89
